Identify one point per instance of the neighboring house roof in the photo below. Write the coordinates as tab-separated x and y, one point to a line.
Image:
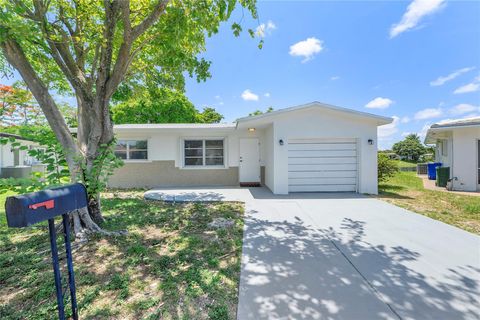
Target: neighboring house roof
315	104
457	123
435	129
9	135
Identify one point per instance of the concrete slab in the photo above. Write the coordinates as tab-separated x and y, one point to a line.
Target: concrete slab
199	194
347	256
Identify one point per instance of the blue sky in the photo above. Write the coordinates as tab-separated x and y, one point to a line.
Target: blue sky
418	61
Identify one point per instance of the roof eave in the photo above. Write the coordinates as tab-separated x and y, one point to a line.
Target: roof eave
380	119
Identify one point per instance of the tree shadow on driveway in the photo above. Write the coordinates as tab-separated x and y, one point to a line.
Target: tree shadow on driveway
292	270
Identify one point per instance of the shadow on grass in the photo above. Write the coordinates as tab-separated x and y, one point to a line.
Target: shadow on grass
170	265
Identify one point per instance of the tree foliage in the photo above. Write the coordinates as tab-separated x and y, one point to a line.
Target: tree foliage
259	112
410	147
88	48
17	106
386	167
161	106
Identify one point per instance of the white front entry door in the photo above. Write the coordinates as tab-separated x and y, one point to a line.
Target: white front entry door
249	166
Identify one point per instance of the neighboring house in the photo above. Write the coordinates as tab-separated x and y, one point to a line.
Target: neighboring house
312	147
457	145
16	163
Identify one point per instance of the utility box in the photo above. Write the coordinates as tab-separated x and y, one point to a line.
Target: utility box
27	209
443	175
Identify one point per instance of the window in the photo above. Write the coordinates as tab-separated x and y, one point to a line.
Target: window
203	153
444	148
131	149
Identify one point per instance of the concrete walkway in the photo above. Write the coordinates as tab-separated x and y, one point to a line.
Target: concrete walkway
430	185
345	256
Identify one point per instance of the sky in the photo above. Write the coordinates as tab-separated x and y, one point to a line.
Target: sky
415	61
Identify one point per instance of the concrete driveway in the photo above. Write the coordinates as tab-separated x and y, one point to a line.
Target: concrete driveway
346	256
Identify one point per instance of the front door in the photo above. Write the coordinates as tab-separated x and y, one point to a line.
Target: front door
249	166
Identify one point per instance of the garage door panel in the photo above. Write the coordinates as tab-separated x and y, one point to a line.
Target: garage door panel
324	181
321	140
323	174
321	146
322	167
323	188
324	160
321	153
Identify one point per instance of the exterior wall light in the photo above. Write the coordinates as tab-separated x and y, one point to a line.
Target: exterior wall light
280	142
370	142
251	129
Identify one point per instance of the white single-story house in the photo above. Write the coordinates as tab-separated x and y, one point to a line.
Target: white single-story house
308	148
15	162
457	145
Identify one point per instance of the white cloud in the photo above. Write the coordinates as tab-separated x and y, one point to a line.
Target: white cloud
404	134
388	129
379	103
441	80
266	94
416	10
306	48
463	108
428	113
219	100
334	78
265	29
248	95
469	87
405	120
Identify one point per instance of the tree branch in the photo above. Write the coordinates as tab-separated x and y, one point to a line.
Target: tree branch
151	19
14	54
125	56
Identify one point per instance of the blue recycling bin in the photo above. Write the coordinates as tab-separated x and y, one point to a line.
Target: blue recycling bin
432	170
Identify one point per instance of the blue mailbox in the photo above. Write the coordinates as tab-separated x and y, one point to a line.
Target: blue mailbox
31	208
28	209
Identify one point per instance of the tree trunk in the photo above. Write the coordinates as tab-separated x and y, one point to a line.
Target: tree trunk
95	209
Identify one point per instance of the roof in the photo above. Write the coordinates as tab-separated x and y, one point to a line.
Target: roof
457	123
176	126
16	136
436	129
315	104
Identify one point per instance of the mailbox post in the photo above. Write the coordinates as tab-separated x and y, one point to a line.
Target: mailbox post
28	209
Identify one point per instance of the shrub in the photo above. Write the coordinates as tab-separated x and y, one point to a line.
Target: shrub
386	167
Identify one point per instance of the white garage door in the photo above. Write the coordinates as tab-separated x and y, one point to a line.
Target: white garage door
317	165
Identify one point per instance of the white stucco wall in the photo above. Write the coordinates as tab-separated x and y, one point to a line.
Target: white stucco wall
6	155
166	144
269	155
328	124
465	165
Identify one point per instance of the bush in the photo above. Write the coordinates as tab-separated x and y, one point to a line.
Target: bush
386	167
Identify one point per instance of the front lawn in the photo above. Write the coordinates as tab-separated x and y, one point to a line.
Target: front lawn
405	164
406	190
170	266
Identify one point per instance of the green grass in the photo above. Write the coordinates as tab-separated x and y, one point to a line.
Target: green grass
405	164
169	266
406	190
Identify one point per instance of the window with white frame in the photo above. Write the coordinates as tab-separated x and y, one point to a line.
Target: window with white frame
444	148
132	149
203	152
